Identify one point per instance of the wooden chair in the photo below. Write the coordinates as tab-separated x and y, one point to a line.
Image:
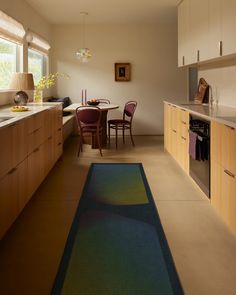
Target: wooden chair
125	123
104	100
88	120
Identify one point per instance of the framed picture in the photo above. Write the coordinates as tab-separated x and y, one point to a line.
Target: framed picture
122	72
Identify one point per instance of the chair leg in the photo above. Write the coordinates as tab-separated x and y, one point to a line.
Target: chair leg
99	142
116	135
131	136
109	134
123	131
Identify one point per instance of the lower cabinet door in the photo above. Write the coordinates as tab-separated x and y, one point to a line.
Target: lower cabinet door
216	186
228	199
8	201
35	170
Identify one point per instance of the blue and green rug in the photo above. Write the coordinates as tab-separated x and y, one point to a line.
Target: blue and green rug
116	245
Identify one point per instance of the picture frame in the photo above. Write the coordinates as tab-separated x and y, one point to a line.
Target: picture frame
122	72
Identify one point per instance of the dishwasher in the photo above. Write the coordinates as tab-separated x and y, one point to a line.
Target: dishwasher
200	162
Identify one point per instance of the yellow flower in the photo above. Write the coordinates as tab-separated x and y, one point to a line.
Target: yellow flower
49	81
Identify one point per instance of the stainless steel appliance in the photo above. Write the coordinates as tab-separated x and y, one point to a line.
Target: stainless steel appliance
200	165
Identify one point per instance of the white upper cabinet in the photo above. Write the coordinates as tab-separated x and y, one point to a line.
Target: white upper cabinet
206	30
215	34
199	28
228	8
183	32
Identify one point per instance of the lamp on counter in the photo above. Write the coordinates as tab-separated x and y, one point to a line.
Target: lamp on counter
21	82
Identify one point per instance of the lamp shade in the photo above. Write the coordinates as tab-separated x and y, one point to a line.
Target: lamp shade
22	81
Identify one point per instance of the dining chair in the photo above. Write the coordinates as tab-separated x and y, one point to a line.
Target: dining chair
88	120
125	123
104	100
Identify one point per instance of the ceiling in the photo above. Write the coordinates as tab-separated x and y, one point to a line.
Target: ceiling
106	11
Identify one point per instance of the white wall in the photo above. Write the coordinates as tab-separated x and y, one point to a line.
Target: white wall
221	76
152	52
25	14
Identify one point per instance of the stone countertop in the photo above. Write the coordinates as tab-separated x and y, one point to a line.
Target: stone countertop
34	108
220	113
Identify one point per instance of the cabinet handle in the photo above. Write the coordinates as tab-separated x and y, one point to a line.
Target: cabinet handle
174	130
183	138
59	129
50	137
183	61
229	173
198	55
59	143
36	150
221	48
183	122
12	171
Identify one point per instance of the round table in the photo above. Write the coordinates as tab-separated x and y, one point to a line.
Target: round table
105	108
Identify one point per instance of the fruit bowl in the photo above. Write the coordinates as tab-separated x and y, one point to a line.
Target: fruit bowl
19	109
93	102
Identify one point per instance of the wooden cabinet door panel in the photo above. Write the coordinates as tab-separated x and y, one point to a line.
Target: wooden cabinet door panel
8	201
167	127
228	199
228	148
216	186
216	142
6	150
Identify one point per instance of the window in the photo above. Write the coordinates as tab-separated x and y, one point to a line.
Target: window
36	64
11	40
8	62
37	56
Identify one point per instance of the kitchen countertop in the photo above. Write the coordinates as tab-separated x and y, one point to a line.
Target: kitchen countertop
34	108
220	113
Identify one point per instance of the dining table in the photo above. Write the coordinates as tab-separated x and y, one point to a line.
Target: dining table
104	107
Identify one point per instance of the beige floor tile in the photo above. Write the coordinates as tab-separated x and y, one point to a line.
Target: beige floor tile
203	248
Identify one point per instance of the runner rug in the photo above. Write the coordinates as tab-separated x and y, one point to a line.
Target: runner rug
116	244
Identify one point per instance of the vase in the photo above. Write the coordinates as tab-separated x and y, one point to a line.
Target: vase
38	96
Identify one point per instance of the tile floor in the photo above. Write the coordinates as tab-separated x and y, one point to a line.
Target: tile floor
203	248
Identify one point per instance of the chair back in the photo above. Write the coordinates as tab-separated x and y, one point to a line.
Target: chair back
104	100
129	109
88	117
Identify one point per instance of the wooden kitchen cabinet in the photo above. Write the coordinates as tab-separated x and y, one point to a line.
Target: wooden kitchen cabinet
216	142
13	196
183	139
228	144
6	150
176	134
167	127
223	172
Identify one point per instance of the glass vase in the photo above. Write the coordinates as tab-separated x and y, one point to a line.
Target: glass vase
38	96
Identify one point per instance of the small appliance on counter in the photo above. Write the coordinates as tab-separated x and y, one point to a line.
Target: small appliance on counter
202	95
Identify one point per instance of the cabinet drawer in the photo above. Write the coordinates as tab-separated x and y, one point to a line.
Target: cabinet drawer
228	147
35	139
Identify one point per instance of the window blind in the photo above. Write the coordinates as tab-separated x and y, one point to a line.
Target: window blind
10	29
38	43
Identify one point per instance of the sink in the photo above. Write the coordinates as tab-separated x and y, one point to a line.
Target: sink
3	119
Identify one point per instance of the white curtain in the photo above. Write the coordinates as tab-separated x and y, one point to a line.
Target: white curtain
10	29
38	43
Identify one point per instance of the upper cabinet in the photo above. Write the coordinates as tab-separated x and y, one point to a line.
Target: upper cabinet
205	30
228	25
